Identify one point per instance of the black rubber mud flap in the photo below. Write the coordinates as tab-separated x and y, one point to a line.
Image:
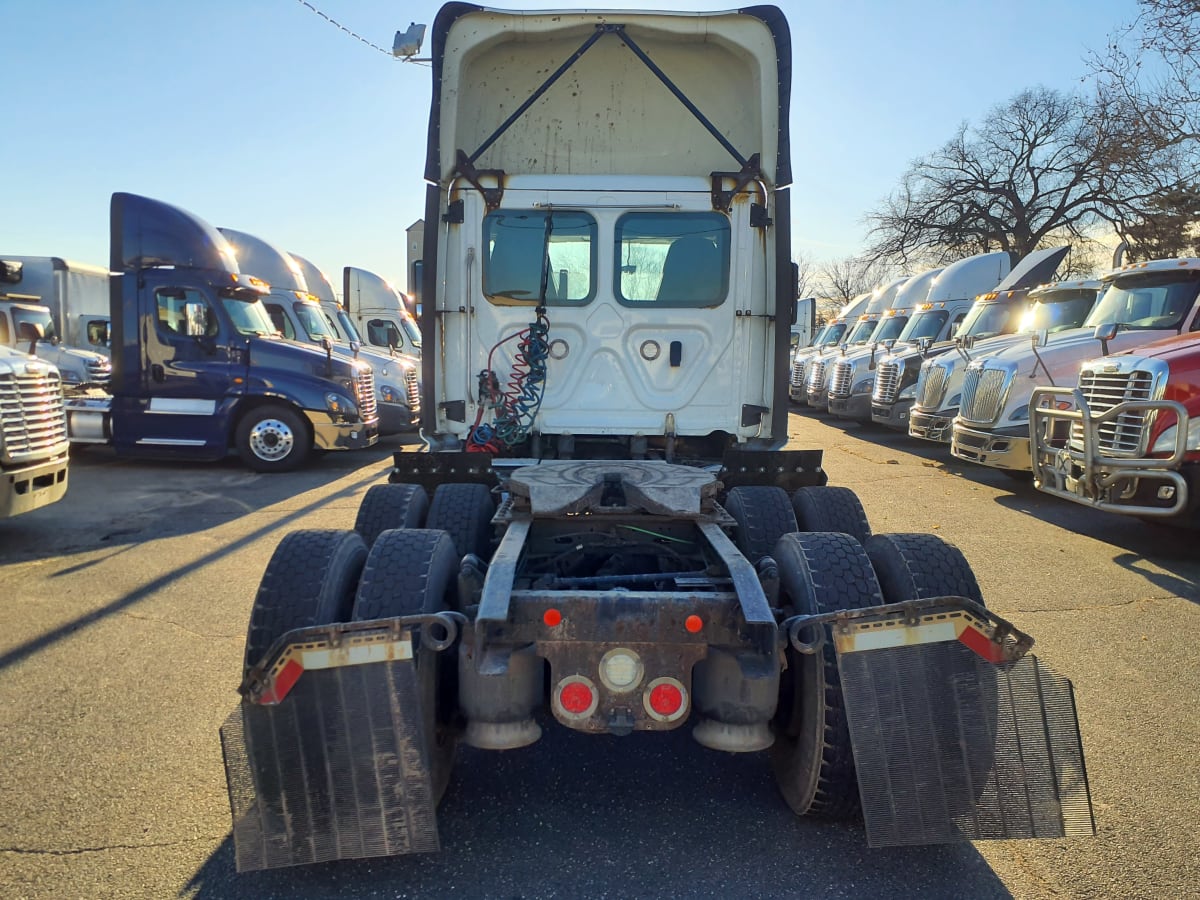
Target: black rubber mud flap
336	770
952	746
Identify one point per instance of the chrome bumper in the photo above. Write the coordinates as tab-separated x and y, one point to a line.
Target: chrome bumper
857	406
998	450
26	488
932	426
331	435
1115	484
894	416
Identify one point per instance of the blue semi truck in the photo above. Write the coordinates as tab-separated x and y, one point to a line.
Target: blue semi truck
198	369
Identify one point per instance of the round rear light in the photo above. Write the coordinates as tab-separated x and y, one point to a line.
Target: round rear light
665	699
621	670
575	697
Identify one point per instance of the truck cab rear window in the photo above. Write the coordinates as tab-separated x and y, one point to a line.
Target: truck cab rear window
525	245
672	259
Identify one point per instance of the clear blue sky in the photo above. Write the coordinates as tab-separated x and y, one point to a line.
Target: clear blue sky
261	116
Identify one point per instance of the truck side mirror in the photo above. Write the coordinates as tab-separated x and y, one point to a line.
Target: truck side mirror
1105	333
924	344
32	332
966	341
10	271
1040	337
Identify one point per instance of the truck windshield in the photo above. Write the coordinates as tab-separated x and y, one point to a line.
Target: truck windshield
518	254
926	324
313	322
862	331
413	332
985	320
890	328
248	316
35	316
348	326
1058	312
832	335
1157	300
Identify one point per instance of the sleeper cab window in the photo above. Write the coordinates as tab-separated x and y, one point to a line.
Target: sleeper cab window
672	259
525	246
173	305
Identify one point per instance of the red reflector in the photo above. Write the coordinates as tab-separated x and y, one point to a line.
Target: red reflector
665	699
575	698
552	617
693	623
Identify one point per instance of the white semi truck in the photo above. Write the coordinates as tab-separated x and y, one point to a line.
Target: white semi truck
60	298
604	533
33	431
1142	302
380	313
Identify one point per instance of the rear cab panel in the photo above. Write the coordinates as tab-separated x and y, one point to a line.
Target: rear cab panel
642	343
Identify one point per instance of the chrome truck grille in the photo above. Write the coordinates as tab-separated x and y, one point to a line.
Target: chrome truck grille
798	373
1127	434
815	378
931	387
364	386
887	383
32	418
983	394
839	381
412	387
99	371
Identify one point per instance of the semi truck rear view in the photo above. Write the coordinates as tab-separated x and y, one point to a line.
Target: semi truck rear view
605	533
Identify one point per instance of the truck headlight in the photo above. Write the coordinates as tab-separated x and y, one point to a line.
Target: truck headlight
388	394
1020	414
341	407
70	377
864	386
907	393
1165	443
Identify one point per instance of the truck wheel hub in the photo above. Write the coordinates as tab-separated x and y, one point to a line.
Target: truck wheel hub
271	439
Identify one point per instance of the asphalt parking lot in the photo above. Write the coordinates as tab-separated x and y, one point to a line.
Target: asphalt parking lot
123	615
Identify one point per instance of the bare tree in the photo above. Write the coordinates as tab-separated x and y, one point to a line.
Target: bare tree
806	274
1038	166
1149	74
844	279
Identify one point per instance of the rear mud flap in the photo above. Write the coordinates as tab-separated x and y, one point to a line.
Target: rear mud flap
336	770
953	738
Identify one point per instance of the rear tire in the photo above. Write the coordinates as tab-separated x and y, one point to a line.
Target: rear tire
310	580
272	438
918	566
831	509
812	757
411	571
465	512
387	506
763	515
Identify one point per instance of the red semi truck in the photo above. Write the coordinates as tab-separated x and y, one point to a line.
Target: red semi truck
1132	442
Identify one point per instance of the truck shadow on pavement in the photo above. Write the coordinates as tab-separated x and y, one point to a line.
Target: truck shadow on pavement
113	502
649	815
168	519
1172	549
